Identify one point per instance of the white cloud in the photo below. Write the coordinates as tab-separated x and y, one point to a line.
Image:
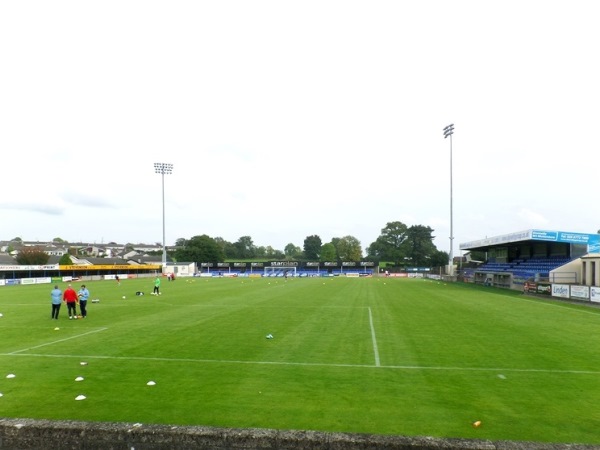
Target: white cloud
534	218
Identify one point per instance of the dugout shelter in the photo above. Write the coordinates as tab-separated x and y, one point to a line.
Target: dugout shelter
287	268
531	255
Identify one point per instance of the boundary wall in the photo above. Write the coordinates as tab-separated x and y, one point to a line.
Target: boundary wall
573	292
69	279
29	434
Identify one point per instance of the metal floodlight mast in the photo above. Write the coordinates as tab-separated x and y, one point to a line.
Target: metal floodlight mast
163	169
448	132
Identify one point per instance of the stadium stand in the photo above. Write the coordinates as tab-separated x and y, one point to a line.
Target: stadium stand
516	258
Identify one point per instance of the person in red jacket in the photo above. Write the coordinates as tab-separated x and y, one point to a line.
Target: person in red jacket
70	298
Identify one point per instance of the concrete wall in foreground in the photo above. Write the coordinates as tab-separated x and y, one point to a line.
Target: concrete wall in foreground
29	434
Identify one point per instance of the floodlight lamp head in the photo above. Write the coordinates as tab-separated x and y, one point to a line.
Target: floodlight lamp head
163	168
449	130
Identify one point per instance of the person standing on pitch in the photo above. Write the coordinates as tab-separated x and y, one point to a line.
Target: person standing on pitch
56	296
156	286
83	295
70	298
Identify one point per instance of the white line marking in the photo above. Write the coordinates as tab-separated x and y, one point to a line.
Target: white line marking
374	339
557	304
56	342
280	363
198	305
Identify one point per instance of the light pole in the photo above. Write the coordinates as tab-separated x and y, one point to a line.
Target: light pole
163	169
448	132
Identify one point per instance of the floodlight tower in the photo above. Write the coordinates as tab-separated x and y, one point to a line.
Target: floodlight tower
448	132
163	169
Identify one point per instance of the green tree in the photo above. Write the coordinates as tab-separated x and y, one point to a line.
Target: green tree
228	249
200	249
439	259
245	248
32	256
65	260
336	242
58	240
328	252
274	254
349	249
389	246
418	246
312	247
292	251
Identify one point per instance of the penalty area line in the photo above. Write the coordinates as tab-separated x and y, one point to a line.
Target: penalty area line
325	365
57	341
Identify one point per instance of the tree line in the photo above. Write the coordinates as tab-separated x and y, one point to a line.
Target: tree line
397	243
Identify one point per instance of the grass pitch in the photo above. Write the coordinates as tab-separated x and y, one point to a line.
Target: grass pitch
383	356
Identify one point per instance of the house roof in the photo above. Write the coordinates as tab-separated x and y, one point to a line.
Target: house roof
54	259
145	259
104	261
5	258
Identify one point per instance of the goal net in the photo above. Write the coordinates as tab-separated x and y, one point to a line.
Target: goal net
280	271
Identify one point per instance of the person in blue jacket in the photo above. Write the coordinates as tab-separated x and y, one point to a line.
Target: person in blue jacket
83	295
56	296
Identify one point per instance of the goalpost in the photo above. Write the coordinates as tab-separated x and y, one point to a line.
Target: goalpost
280	271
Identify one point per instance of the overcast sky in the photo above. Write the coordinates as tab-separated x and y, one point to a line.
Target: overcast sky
285	119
